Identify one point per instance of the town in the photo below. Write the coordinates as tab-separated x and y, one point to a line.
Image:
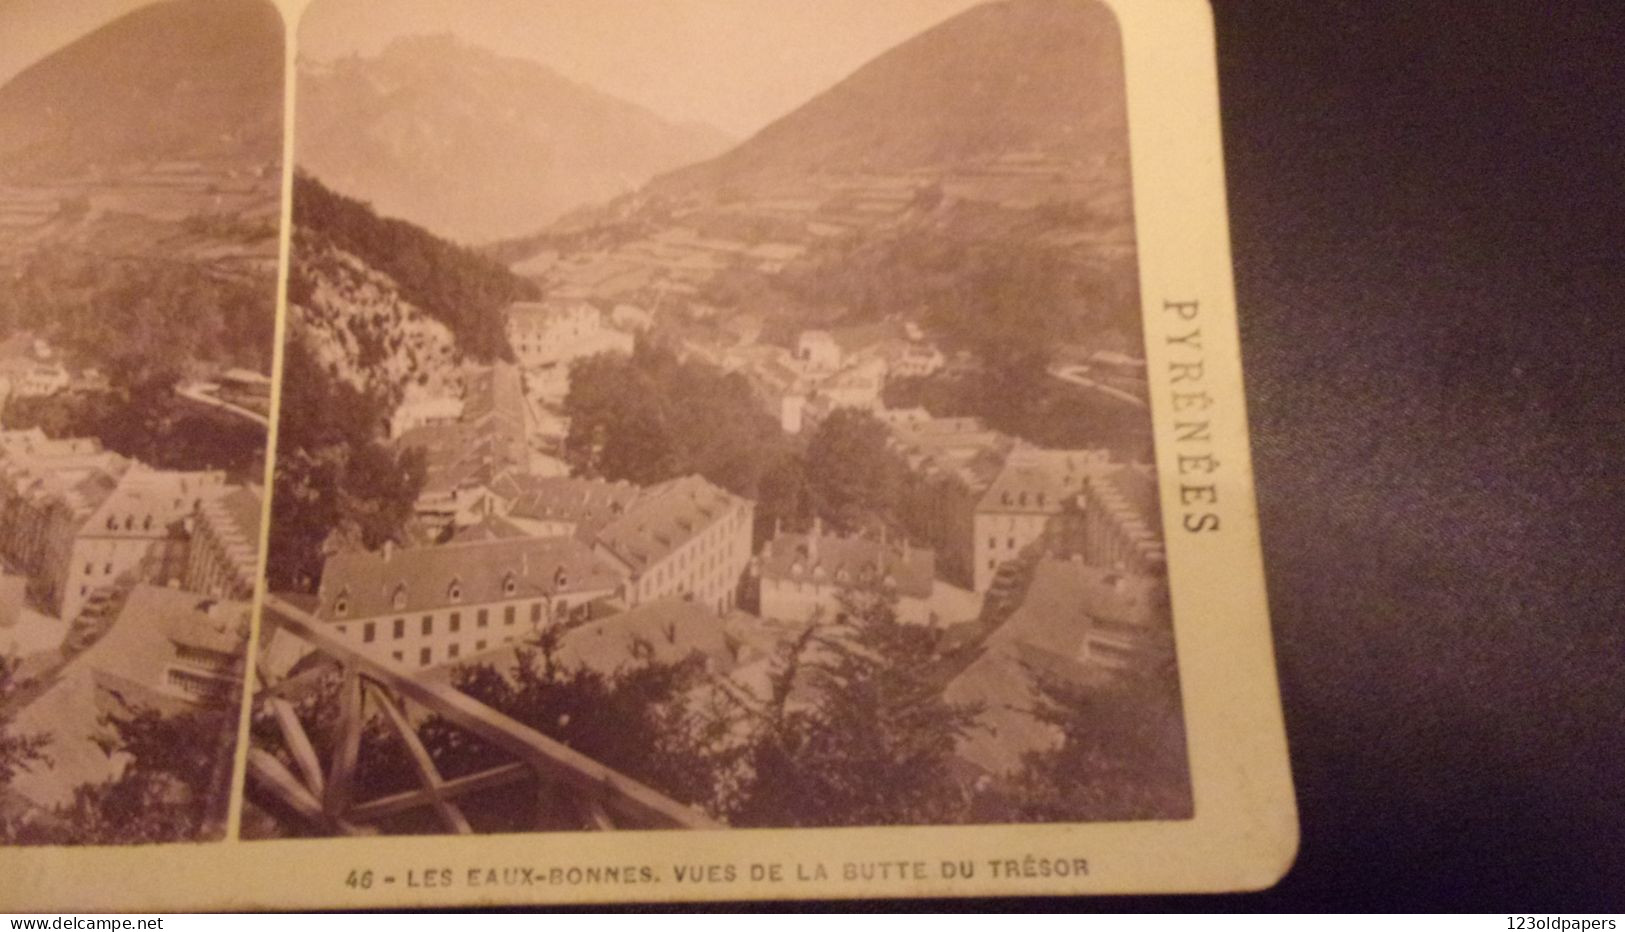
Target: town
125	586
1019	555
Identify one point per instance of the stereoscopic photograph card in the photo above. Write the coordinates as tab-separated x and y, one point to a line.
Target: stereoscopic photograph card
719	449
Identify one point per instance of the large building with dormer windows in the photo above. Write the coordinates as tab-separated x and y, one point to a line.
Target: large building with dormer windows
807	575
427	606
1032	489
684	538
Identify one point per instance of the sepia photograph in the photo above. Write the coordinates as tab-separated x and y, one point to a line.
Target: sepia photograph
141	192
712	415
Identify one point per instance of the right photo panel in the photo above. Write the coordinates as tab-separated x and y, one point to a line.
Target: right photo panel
712	415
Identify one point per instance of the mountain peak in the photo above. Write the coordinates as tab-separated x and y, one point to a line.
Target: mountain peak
182	79
475	145
1008	76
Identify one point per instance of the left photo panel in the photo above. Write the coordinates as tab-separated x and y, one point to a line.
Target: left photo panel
140	227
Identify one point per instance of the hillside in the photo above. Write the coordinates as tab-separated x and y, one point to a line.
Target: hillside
475	146
180	80
1012	76
140	190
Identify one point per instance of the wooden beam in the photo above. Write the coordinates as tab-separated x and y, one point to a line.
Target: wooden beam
298	743
352	719
385	806
428	774
269	773
631	803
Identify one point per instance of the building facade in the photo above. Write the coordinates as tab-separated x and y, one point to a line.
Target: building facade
426	606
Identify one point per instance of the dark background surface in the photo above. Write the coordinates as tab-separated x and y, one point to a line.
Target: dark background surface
1427	224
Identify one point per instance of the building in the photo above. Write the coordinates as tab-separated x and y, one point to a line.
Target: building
1033	488
29	368
817	351
562	505
166	650
1122	521
1078	624
684	538
47	492
223	559
547	334
431	605
465	459
424	412
805	574
144	524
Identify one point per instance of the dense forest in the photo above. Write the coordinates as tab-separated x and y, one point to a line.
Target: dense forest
136	313
174	788
140	416
457	286
338	483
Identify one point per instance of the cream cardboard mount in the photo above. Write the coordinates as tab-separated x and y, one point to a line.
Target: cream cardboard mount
1054	677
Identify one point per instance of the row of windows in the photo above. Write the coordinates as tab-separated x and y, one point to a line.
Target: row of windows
454	622
426	654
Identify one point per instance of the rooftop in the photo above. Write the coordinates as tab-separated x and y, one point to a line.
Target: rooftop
665	518
834	558
367	584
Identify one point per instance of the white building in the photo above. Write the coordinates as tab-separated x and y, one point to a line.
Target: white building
557	333
425	606
803	575
1032	489
684	538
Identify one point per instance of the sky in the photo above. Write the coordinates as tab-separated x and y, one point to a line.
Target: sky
32	29
735	64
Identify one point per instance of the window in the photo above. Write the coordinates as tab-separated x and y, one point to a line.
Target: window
398	599
479	645
107	570
535	613
454	592
992	543
509	586
453	651
397	655
400	628
428	625
89	568
456	622
369	632
425	656
483	618
508	615
341	605
146	524
1012	543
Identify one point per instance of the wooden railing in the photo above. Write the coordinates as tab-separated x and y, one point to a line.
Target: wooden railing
568	783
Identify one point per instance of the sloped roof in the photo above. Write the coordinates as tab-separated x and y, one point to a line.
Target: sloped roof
664	519
481	570
858	559
1066	599
590	504
127	662
1036	481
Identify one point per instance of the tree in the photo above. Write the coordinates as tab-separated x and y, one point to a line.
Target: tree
651	417
853	479
855	730
1122	752
17	752
173	788
337	483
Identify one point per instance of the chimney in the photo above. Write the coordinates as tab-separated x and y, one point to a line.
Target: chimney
389	550
812	540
